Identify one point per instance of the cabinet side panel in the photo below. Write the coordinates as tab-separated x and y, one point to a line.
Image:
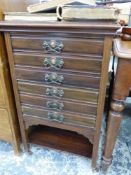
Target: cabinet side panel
101	98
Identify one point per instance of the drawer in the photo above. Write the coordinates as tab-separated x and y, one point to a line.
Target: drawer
2	98
59	92
88	63
58	44
58	104
47	77
5	130
64	118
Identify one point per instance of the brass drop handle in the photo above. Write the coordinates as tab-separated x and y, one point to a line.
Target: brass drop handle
53	46
54	78
55	92
55	105
54	116
54	62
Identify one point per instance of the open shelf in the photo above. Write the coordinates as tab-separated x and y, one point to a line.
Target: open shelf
60	139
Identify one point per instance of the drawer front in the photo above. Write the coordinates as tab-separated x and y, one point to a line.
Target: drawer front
46	77
58	92
2	98
58	45
5	130
89	63
65	118
58	104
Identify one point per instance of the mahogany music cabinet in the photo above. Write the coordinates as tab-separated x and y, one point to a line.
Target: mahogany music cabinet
59	72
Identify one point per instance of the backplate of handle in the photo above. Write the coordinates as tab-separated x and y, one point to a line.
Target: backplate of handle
53	46
54	116
54	78
55	92
53	62
55	105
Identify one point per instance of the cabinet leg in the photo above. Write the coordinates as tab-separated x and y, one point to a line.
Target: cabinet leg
114	121
24	135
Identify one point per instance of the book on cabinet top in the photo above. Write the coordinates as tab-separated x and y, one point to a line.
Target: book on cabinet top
25	16
52	4
87	12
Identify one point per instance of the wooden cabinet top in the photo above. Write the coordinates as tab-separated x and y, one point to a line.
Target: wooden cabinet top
86	27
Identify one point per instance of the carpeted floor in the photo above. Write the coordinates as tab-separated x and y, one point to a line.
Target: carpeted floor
45	161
